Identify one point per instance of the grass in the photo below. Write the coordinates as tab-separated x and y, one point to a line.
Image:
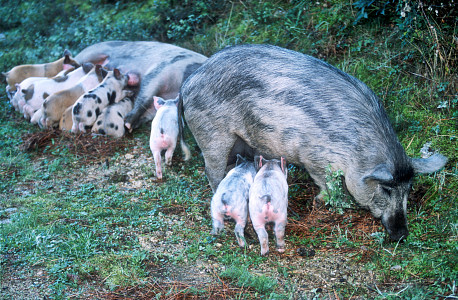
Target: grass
98	225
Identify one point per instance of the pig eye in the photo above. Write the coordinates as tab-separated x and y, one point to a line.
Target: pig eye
386	190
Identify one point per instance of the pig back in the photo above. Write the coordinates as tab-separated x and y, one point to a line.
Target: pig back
284	103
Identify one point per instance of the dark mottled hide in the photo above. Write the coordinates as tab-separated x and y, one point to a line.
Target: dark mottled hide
281	103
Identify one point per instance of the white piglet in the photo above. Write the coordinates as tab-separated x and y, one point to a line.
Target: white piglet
40	90
164	133
269	201
18	98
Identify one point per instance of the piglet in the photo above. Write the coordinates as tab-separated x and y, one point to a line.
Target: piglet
164	133
269	201
90	105
231	199
111	121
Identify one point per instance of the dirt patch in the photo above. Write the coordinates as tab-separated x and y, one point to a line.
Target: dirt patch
306	271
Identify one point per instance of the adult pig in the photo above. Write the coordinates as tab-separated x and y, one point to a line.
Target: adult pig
268	202
231	199
286	104
162	68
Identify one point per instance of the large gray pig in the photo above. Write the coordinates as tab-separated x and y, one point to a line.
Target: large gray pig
162	68
281	103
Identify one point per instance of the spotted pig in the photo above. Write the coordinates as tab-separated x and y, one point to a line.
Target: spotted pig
268	201
111	121
231	199
90	105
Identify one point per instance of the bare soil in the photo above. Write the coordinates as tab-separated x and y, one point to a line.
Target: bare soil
305	272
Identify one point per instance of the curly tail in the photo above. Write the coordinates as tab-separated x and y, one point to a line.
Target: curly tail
184	146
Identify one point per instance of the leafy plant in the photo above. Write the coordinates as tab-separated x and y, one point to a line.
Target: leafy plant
334	195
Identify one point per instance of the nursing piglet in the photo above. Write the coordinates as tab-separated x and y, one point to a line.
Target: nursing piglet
164	133
17	99
90	105
111	120
39	91
19	73
54	106
231	199
269	201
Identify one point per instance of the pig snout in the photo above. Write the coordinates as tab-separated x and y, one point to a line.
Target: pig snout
396	225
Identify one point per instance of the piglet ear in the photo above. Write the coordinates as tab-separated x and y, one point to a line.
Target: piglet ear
177	100
284	165
158	102
67	53
429	165
87	67
117	74
380	174
257	162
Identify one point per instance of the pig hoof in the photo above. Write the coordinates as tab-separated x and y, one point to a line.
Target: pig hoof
281	250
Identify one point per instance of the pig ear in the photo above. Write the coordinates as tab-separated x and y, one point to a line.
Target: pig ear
177	100
240	160
67	53
117	74
284	166
257	162
87	67
429	165
380	173
158	102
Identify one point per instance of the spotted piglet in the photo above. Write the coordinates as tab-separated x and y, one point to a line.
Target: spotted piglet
164	133
231	199
90	105
111	120
269	201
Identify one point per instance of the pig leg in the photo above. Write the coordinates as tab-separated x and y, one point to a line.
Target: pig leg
263	238
279	230
239	235
218	223
169	155
215	156
143	103
157	162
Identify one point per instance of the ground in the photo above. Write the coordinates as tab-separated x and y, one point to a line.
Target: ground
322	268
